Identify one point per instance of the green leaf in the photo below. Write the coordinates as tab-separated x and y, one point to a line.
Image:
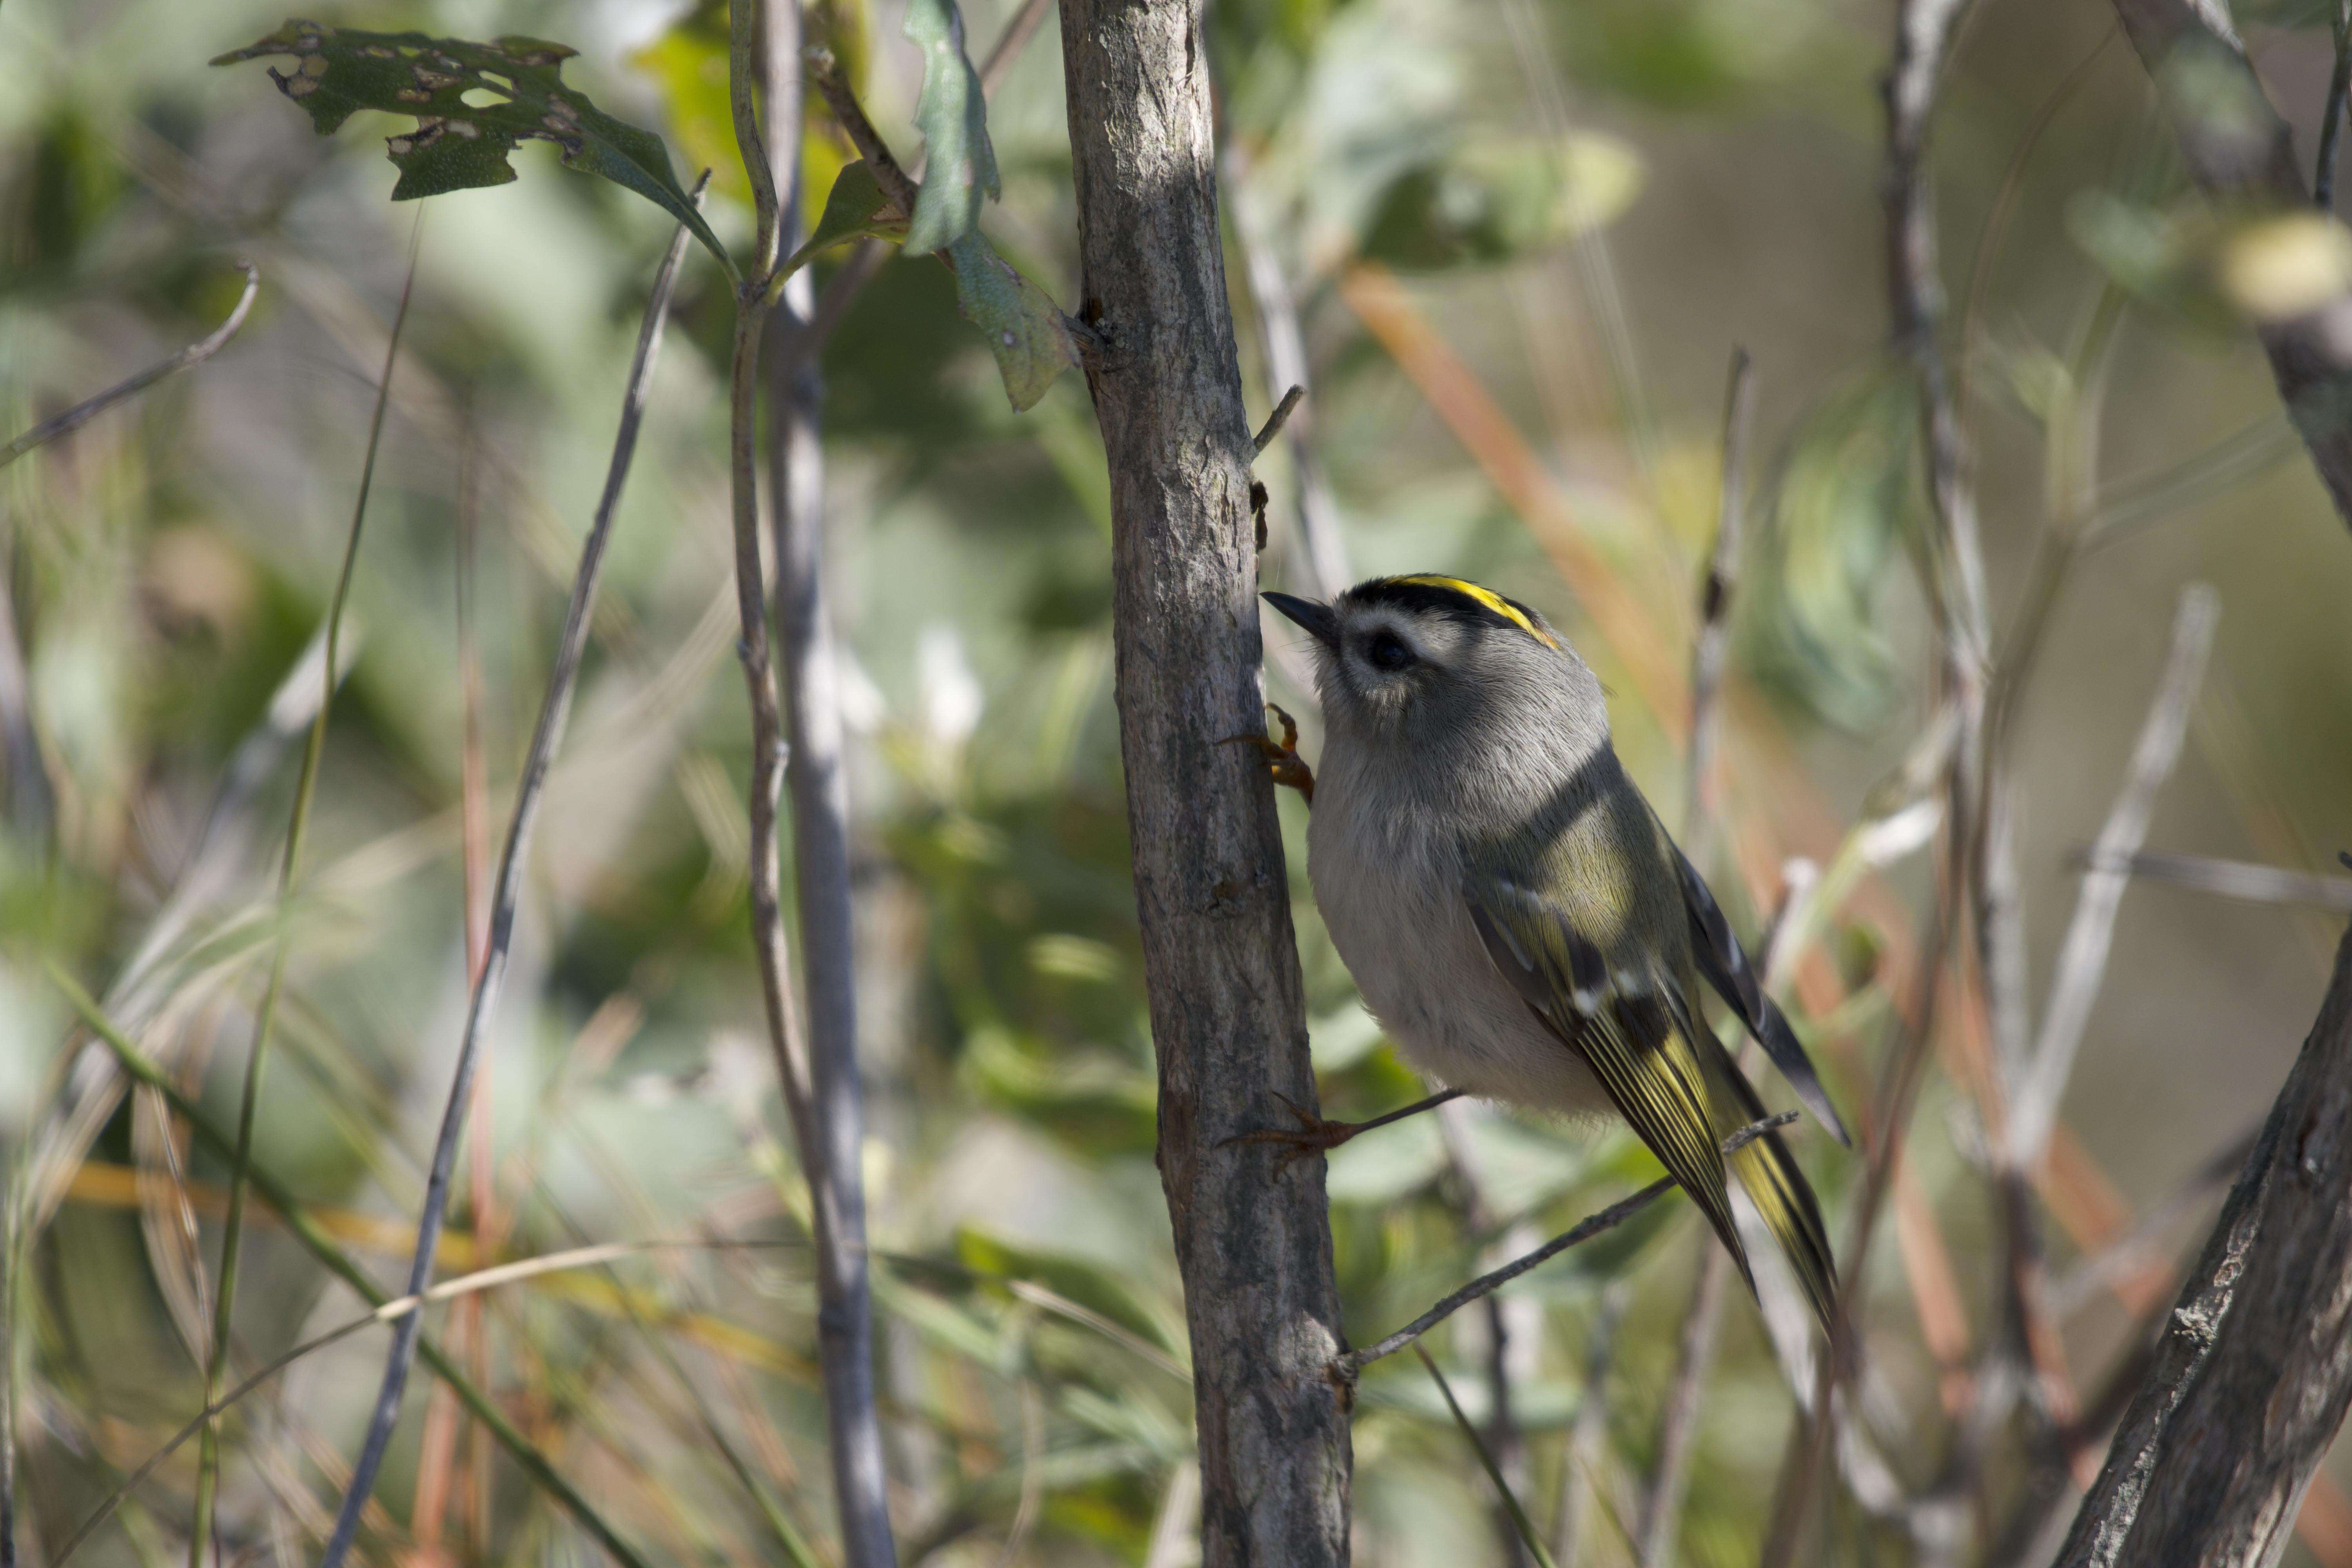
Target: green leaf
1811	618
952	115
1024	328
854	208
459	145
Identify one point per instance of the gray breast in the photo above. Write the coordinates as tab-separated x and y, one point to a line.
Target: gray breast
1387	880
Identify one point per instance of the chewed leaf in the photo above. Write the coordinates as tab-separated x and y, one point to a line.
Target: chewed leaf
856	208
952	114
458	145
1024	328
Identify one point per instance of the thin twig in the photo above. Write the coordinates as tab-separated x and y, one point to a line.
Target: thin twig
1320	558
1714	640
290	868
817	775
2229	878
2331	123
1276	420
547	738
1510	1501
315	1240
1348	1366
80	413
880	161
2083	958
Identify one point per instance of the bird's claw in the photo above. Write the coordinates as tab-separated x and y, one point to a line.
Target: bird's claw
1313	1135
1288	767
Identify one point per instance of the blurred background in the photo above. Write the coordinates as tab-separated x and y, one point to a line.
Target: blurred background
1512	245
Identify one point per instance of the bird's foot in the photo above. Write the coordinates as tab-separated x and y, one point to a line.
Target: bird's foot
1313	1135
1288	767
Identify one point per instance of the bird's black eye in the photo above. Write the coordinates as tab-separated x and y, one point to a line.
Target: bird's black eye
1387	651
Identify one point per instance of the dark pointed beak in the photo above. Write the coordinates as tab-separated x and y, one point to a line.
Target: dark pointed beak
1320	619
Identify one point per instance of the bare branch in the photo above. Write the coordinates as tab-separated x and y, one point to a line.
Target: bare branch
80	413
2229	878
2254	1370
547	739
2083	958
816	773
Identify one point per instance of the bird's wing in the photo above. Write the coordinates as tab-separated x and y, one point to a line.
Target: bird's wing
1724	963
1626	1022
1774	1184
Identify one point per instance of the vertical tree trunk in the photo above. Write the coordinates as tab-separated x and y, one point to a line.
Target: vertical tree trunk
1211	888
2251	1378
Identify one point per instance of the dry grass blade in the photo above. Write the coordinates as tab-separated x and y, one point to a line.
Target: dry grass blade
322	1246
257	1056
391	1311
195	354
547	738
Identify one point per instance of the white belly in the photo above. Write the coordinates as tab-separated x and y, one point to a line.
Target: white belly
1391	902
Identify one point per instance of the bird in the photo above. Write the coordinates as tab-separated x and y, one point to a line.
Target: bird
1513	911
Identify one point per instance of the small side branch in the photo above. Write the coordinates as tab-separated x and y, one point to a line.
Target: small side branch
1348	1366
1276	420
2229	878
195	354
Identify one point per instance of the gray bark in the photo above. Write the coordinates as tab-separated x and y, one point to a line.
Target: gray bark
2238	148
2254	1370
1253	1243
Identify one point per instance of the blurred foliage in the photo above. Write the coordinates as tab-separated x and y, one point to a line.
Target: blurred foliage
1592	202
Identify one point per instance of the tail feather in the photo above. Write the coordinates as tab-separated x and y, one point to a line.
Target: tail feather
1777	1187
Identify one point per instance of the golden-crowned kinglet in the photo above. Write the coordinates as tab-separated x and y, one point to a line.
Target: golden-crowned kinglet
1513	911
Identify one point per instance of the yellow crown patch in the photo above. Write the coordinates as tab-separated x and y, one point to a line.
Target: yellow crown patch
1491	600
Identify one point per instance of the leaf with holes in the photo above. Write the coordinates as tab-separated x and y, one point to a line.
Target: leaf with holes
459	145
856	208
959	165
1024	328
